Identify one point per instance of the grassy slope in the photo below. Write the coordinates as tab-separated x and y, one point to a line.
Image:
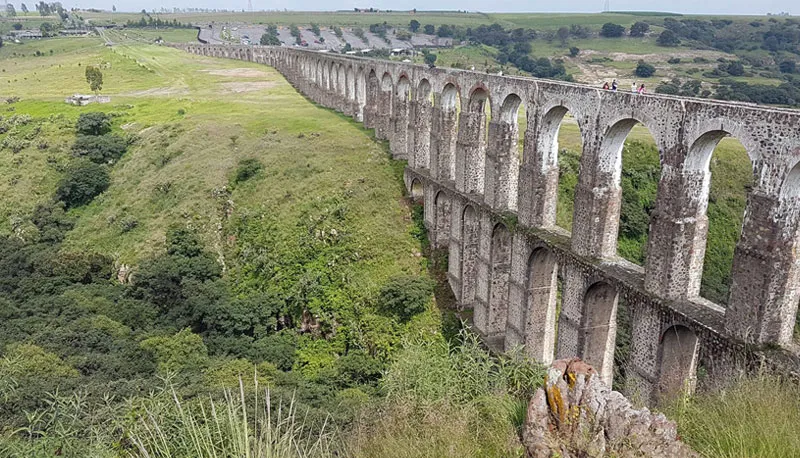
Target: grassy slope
310	153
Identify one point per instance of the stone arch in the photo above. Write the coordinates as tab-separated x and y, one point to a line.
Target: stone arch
700	179
441	220
499	277
470	233
790	188
678	349
450	97
423	92
417	190
540	311
599	328
510	108
403	88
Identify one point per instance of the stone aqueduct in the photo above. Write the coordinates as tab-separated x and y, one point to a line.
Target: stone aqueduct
495	212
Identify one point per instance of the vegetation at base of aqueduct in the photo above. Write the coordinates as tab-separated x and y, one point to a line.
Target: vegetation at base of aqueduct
268	245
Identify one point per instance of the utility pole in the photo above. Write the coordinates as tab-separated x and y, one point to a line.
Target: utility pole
607	6
250	5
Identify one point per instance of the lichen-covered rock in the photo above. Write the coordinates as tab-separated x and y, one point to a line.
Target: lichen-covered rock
576	414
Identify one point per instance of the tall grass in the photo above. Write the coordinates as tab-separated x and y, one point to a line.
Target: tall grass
758	417
448	400
241	425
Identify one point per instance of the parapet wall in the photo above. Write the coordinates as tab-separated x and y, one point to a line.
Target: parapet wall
494	211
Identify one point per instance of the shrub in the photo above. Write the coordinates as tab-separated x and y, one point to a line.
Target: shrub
248	168
430	58
99	148
611	30
668	38
94	123
574	51
429	29
674	60
81	183
406	296
644	70
639	29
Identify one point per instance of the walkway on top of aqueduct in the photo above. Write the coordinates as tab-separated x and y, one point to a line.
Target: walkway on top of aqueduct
496	213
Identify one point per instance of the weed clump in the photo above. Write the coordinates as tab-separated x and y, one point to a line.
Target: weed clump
248	168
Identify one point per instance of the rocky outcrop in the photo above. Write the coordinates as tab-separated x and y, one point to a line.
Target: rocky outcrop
577	415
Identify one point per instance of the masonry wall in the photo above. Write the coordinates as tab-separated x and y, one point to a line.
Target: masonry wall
495	212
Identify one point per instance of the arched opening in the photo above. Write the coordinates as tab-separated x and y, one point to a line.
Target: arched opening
441	238
724	173
472	140
470	232
417	190
499	276
599	328
542	306
557	162
421	131
444	134
678	362
403	89
630	155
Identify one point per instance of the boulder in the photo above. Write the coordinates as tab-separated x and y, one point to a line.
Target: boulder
575	414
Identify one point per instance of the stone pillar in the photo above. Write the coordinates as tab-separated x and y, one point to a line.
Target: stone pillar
595	221
676	241
384	115
400	124
454	257
570	321
538	182
370	114
443	137
502	166
471	152
422	134
517	293
641	375
766	274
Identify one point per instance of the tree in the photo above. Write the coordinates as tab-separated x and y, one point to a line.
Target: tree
23	7
93	123
563	35
639	29
430	58
413	25
269	39
444	30
788	66
611	30
82	181
46	28
574	51
95	78
429	29
99	149
406	296
668	38
113	8
644	70
16	26
734	68
10	11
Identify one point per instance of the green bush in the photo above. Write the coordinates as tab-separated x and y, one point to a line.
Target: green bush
644	70
82	182
406	296
248	168
99	149
611	30
94	123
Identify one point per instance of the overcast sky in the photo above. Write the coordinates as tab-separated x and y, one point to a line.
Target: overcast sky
586	6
